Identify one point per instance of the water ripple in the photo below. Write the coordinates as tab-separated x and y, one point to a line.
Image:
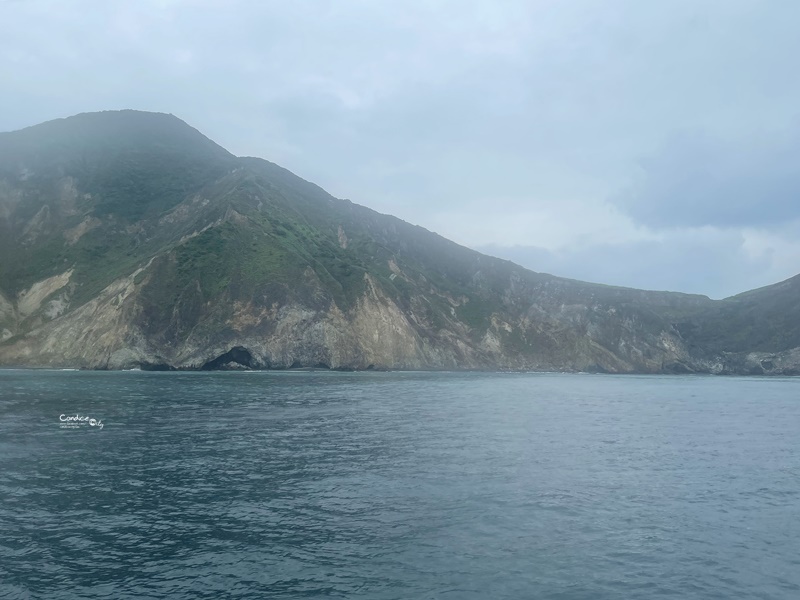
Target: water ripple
398	485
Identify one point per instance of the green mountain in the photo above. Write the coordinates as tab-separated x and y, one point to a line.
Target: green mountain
128	239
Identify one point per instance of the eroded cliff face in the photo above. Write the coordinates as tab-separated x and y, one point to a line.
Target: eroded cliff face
135	242
112	331
8	318
107	332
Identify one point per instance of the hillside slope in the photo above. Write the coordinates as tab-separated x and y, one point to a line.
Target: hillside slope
128	239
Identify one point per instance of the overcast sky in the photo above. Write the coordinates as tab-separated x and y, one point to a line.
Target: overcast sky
651	144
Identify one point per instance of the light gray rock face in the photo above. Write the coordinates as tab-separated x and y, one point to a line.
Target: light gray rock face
8	318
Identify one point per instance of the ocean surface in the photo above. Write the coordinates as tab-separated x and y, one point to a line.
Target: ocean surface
398	485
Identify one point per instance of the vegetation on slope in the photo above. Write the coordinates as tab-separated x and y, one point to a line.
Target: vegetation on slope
102	195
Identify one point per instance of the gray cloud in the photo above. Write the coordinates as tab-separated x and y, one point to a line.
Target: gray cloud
697	180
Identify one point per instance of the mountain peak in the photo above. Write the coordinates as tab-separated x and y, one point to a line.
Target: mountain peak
116	119
107	131
125	162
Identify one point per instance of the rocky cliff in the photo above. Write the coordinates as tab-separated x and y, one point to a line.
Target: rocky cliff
129	240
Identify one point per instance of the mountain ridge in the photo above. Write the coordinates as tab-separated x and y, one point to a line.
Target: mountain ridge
133	241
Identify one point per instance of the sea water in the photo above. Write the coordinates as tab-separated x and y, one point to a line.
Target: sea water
397	485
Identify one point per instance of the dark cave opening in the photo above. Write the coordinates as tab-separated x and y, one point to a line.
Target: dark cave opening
235	356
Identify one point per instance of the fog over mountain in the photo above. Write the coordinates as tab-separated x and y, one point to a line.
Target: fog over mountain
652	145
